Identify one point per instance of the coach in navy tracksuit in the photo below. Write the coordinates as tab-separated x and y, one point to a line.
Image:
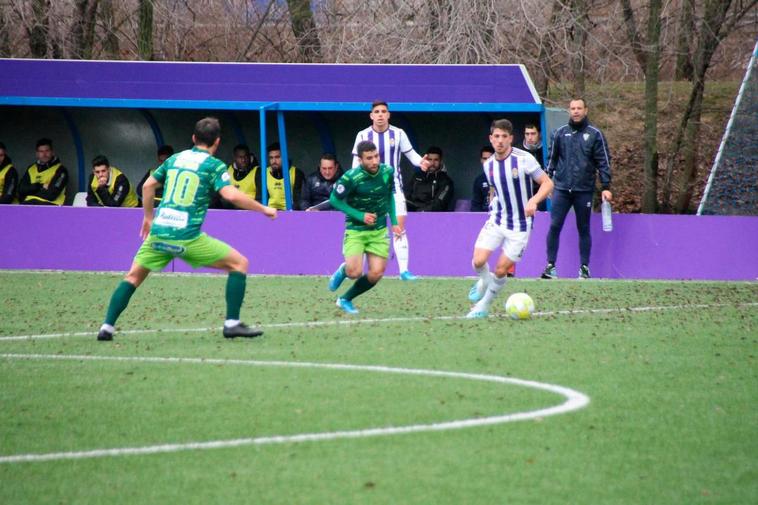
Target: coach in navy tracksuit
578	153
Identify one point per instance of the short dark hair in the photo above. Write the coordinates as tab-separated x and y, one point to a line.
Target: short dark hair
2	146
502	124
377	103
434	150
241	147
273	147
207	130
328	156
44	142
365	147
579	99
532	126
100	160
486	149
165	150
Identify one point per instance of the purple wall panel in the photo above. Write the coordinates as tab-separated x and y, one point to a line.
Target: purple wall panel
641	246
262	82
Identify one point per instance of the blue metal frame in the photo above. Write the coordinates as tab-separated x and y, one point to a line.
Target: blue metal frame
153	126
79	148
285	159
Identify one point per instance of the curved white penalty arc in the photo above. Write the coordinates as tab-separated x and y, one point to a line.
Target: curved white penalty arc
574	400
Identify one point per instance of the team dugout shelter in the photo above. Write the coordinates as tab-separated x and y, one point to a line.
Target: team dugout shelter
126	110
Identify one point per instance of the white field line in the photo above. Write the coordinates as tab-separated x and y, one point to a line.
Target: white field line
574	400
350	322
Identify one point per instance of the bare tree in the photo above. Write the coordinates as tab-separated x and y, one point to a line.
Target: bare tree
110	36
83	28
717	22
145	34
304	29
38	32
684	40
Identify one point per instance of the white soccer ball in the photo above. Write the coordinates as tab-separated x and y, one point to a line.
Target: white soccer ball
519	306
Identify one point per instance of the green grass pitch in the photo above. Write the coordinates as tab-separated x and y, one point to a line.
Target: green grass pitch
669	368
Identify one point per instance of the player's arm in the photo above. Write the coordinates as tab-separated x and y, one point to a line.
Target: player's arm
338	198
603	162
356	158
407	149
148	202
546	187
243	201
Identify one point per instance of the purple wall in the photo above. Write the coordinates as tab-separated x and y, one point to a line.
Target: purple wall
640	247
260	82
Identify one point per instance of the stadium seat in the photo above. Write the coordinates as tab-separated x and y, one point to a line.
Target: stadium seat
80	199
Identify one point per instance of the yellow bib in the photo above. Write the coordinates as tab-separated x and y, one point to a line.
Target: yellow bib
131	198
3	175
44	177
275	188
246	184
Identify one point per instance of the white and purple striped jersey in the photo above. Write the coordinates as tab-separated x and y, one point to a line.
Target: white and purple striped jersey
508	177
391	144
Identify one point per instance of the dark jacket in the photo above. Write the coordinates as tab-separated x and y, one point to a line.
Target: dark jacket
316	189
480	193
578	152
430	192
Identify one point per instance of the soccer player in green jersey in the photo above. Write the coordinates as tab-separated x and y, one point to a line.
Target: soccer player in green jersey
189	178
365	195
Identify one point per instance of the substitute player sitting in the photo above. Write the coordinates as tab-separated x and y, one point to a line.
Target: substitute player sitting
365	195
510	173
189	178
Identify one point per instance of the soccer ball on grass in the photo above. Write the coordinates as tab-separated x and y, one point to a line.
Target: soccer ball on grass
519	306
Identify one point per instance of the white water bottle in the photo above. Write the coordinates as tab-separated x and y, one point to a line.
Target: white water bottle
605	209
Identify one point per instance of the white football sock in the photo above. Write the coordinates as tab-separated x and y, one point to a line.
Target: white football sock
483	272
231	322
108	328
495	286
400	244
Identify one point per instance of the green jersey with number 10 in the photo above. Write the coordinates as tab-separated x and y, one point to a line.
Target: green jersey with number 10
189	179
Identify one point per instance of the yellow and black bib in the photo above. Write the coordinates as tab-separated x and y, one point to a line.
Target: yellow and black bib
3	175
246	184
131	198
44	177
275	188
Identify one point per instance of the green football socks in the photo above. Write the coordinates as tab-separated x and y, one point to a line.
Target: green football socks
119	301
359	287
235	293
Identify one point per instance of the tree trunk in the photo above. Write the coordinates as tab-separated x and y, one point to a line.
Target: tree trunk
83	29
542	77
304	29
687	181
579	12
5	43
145	35
650	192
684	41
38	35
110	39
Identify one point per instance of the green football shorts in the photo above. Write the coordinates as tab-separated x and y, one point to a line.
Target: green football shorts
202	251
374	242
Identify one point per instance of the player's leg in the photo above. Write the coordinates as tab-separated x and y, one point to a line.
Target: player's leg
583	212
400	242
514	245
376	246
561	204
488	240
148	258
352	250
207	251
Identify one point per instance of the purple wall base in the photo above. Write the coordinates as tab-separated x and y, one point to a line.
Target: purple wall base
640	246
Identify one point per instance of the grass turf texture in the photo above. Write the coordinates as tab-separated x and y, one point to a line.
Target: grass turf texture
672	418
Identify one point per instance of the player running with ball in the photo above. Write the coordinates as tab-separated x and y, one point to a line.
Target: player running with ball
365	195
510	173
